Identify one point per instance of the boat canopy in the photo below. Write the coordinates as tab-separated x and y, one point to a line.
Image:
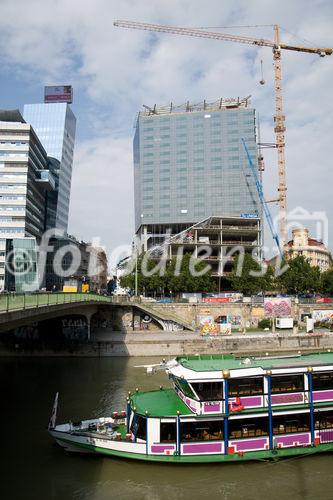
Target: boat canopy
161	403
212	366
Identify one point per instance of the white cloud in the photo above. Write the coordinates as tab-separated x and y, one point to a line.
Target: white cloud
119	70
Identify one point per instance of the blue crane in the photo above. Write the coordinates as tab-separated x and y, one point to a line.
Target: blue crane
262	200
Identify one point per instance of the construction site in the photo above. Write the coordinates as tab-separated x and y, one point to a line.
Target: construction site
198	167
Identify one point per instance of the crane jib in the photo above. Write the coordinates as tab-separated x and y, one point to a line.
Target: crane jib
279	116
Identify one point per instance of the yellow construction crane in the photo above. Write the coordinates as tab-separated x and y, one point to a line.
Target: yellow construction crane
279	129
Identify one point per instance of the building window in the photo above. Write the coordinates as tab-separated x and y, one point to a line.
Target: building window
324	420
287	383
202	430
245	386
184	387
141	429
168	432
209	391
287	424
250	427
322	381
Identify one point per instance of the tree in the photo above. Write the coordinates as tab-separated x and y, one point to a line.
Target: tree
326	282
174	277
300	277
248	281
184	280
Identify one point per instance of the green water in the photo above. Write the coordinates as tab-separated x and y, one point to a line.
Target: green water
32	467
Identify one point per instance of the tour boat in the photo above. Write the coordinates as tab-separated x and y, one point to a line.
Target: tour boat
221	409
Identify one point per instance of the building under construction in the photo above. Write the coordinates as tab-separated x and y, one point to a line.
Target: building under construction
190	165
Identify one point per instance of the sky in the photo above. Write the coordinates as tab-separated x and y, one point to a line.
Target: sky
115	71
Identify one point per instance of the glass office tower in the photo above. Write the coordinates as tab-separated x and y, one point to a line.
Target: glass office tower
55	125
190	163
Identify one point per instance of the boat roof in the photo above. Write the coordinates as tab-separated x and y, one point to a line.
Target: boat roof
203	363
211	366
161	403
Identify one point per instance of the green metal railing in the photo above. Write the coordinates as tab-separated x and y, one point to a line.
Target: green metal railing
14	302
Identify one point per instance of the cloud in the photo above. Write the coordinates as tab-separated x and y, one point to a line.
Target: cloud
115	71
102	191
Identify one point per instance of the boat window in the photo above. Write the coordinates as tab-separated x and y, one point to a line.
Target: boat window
209	391
202	430
322	380
248	427
184	387
168	432
324	420
286	424
287	383
141	429
245	386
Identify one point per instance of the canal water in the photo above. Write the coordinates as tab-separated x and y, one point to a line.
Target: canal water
32	467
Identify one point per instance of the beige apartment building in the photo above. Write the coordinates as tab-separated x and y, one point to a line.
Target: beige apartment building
313	250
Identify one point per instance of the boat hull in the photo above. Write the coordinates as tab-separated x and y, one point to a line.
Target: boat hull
76	444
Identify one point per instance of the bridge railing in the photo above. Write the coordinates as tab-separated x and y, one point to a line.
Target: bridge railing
13	302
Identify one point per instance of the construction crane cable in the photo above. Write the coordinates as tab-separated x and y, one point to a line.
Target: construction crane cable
303	40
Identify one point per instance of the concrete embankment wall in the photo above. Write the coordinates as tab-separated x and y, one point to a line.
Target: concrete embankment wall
169	344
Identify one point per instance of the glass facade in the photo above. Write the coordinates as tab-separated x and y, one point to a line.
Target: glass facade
192	165
21	265
55	125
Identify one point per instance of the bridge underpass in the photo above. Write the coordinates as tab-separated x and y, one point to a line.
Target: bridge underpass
19	311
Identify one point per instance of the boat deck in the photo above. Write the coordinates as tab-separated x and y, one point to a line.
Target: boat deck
166	403
204	363
161	403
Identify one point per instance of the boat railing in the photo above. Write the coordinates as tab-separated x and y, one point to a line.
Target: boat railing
240	402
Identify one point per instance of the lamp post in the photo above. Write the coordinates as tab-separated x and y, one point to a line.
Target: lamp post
136	272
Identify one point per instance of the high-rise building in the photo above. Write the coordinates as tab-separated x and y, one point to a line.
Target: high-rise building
55	125
190	164
24	180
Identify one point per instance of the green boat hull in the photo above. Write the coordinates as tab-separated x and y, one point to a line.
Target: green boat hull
264	455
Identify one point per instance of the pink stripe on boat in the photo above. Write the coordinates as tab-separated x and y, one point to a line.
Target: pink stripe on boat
202	448
160	448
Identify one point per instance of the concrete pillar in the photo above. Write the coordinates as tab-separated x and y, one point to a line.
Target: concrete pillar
88	327
145	239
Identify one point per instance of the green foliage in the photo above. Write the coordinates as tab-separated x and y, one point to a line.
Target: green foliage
326	282
265	323
300	277
168	276
250	281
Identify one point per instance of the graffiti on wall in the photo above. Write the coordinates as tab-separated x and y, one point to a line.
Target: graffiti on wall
323	316
277	307
234	319
207	325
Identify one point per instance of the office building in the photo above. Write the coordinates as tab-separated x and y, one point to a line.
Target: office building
55	125
191	166
90	269
24	180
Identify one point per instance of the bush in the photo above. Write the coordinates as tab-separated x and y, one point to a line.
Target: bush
265	323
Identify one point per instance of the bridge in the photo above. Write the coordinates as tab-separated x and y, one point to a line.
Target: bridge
21	309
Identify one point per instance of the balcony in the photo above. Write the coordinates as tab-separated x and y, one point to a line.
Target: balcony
46	180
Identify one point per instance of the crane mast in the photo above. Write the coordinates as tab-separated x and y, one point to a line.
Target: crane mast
279	118
280	140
